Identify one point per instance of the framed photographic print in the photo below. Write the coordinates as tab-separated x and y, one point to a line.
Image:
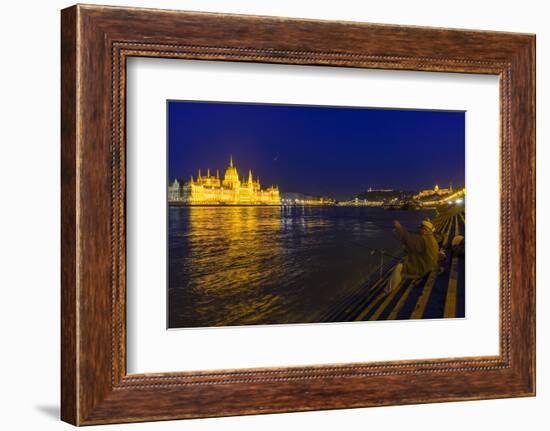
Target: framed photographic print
311	246
265	214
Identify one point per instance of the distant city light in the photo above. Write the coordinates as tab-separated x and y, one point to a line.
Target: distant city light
459	201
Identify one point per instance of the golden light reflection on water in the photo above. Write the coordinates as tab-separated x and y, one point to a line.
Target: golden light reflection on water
234	249
247	265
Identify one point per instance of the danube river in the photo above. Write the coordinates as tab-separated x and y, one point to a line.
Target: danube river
246	265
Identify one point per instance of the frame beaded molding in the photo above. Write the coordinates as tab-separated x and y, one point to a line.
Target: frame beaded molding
123	49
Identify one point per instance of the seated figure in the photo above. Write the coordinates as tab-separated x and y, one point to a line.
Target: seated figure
422	254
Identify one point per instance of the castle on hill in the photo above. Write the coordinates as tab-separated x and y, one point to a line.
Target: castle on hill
432	193
211	190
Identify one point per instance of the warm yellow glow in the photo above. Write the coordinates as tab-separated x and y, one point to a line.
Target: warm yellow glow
250	240
210	190
435	192
458	195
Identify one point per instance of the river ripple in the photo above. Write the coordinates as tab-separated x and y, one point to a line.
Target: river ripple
271	265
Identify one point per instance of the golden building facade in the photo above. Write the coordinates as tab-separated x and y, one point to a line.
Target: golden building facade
212	190
435	192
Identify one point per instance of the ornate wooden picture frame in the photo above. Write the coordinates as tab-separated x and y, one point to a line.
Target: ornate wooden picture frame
96	41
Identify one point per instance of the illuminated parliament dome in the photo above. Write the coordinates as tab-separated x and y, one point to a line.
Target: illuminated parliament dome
209	190
231	177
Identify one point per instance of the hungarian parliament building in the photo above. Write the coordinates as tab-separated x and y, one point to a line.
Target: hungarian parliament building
211	190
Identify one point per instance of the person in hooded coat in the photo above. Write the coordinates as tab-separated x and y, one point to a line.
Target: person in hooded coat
422	254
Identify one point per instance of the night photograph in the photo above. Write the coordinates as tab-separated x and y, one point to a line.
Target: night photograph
286	214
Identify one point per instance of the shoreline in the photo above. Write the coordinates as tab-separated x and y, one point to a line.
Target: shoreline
182	204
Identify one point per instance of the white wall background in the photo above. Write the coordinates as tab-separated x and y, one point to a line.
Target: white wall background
29	214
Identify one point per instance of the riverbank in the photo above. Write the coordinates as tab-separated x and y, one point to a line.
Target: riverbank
255	265
439	294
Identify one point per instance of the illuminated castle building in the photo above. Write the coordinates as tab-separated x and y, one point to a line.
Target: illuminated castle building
211	190
433	193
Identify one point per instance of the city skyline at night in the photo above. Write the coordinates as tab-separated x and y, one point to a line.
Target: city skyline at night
318	150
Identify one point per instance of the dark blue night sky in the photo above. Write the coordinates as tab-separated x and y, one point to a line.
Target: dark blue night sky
331	151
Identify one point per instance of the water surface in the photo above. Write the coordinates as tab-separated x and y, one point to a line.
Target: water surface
272	265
